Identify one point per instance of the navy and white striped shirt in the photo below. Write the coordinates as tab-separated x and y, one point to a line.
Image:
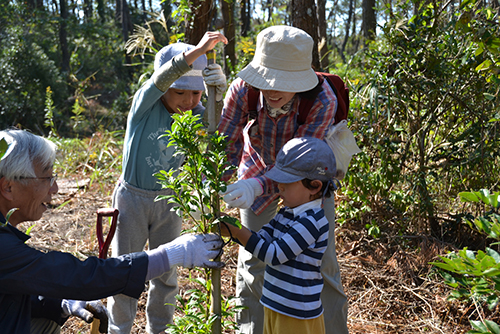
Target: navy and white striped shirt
292	245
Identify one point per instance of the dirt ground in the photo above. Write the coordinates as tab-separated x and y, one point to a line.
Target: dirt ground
390	289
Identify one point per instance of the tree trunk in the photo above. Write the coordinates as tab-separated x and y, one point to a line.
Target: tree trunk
118	12
304	16
269	5
347	28
123	17
369	20
199	20
355	37
245	17
100	10
230	33
87	10
63	36
144	17
322	37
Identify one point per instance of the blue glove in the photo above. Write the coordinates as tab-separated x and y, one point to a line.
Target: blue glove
86	311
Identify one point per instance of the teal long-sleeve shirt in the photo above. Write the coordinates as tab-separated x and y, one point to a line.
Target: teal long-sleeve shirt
144	153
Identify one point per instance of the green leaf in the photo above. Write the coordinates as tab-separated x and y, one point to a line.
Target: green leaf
3	148
467	196
230	220
489	96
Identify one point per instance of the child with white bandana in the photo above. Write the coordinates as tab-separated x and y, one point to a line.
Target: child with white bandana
176	86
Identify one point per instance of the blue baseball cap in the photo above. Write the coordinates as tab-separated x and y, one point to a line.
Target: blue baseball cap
191	80
304	158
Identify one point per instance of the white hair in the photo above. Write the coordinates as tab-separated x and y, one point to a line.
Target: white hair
25	150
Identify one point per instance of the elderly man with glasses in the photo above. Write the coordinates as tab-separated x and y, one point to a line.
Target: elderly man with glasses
39	291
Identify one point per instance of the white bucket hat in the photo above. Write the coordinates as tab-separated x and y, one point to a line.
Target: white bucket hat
191	80
282	61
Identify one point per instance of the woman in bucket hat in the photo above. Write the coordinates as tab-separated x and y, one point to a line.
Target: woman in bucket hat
281	71
176	86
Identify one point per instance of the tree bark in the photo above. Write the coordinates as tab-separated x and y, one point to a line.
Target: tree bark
245	17
87	10
230	33
100	10
369	20
304	16
124	19
322	37
199	21
347	29
63	36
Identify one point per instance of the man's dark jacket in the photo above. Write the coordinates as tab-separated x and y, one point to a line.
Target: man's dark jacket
27	274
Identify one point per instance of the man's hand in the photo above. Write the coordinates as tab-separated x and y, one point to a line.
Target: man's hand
194	250
188	250
213	76
242	193
87	311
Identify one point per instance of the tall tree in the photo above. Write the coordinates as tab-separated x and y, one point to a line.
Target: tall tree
63	36
304	16
122	16
198	22
88	10
100	10
369	20
245	17
230	33
350	15
322	37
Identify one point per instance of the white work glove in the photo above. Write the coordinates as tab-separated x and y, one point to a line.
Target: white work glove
213	76
242	193
86	311
188	250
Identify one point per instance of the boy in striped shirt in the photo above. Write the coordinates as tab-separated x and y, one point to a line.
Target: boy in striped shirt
292	244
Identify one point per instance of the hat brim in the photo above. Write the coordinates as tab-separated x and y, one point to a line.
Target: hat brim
189	83
284	81
280	176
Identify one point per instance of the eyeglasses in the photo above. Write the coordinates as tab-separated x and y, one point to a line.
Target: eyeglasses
52	178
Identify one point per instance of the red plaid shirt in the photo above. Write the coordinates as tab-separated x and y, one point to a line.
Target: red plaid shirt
254	144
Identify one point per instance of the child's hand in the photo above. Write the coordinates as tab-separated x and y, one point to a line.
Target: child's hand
209	40
226	230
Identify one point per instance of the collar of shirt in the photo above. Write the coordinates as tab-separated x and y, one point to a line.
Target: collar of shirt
306	206
275	112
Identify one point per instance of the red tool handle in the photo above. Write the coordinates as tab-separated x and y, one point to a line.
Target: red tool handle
104	243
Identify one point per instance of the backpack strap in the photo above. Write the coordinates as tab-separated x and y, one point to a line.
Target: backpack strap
253	98
306	104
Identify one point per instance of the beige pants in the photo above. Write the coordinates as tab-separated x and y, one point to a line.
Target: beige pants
142	220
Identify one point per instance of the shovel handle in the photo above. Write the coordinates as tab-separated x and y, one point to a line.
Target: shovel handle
104	243
211	90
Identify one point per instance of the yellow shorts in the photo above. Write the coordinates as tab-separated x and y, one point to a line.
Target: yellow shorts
277	323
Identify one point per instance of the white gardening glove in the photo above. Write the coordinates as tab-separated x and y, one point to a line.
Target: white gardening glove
242	193
188	250
87	311
213	76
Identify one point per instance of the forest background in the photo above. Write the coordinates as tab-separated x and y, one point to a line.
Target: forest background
424	80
